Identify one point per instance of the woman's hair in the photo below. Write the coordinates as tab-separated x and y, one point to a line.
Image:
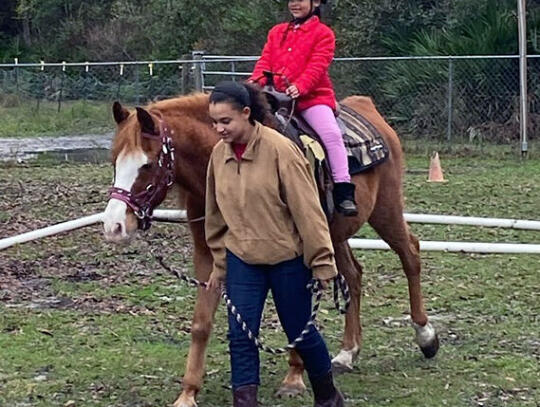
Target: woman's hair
240	95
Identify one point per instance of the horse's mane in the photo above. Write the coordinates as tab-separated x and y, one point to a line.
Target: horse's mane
191	110
191	105
194	105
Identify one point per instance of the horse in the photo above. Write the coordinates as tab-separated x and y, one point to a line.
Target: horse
170	141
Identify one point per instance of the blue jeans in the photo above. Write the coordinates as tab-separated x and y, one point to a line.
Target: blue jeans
247	286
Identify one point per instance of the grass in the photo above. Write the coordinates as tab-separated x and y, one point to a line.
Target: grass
85	323
27	118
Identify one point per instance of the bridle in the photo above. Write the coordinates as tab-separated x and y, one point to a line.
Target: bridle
144	202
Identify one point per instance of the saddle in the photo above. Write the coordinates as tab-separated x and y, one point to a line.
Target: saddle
364	144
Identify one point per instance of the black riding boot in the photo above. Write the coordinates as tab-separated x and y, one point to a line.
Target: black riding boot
245	396
325	392
344	198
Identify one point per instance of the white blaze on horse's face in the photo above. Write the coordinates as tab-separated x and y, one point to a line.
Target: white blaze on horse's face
127	167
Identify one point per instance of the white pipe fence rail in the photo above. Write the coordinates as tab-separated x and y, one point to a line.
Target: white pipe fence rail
456	247
466	247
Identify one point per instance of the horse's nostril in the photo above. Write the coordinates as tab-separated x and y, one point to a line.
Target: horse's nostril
117	229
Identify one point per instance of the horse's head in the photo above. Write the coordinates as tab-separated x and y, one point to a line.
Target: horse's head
143	159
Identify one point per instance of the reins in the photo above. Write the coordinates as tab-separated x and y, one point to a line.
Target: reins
270	91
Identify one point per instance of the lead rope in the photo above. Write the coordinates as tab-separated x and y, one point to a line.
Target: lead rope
314	286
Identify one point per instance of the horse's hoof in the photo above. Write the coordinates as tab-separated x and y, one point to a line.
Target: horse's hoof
431	350
185	400
427	339
343	362
290	391
338	368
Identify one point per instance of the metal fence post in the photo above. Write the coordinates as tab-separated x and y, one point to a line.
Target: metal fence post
151	84
86	89
17	76
137	85
63	75
185	75
523	105
120	82
42	83
198	72
450	98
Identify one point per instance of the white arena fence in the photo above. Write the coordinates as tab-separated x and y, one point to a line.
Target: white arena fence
169	215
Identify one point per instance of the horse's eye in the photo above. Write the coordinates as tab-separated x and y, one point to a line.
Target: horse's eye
146	166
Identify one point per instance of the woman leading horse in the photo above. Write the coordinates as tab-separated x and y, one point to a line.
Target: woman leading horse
267	231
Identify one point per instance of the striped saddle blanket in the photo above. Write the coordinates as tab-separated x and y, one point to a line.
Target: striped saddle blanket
364	144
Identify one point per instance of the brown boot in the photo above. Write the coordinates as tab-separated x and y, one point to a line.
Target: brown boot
245	396
325	392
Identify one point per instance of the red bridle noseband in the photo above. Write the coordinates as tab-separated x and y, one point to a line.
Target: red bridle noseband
144	202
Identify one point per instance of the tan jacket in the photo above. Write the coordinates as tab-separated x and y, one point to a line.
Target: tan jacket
265	207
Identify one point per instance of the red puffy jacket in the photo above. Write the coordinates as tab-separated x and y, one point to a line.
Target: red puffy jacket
303	54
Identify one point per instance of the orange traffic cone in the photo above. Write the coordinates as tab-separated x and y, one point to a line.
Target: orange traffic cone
435	170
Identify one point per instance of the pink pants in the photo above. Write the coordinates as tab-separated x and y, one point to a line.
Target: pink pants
321	118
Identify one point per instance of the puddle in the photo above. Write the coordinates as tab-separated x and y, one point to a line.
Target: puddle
92	148
93	156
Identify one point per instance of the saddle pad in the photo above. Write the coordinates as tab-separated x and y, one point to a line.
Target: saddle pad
364	144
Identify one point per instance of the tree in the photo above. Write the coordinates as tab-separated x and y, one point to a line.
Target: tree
146	29
8	27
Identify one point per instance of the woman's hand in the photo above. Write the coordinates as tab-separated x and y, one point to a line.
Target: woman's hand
325	283
292	91
214	282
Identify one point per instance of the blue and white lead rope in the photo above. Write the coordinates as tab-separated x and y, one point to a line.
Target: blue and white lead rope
314	286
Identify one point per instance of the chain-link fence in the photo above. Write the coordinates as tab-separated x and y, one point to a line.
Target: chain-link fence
133	83
442	98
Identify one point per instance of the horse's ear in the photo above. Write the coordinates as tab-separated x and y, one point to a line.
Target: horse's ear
146	121
120	114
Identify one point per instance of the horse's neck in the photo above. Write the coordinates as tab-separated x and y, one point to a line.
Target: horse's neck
194	106
193	139
189	119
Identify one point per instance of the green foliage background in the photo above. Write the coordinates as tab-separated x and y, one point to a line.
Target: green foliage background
78	30
412	95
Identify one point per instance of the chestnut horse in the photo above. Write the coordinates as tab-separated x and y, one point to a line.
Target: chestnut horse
173	139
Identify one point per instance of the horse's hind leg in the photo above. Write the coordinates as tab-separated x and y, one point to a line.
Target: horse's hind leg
347	265
388	221
352	337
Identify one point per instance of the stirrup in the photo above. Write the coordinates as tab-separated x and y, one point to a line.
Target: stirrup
347	208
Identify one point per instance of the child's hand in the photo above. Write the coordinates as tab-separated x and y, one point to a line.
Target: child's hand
292	91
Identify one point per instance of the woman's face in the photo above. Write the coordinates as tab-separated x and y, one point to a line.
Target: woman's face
231	124
301	8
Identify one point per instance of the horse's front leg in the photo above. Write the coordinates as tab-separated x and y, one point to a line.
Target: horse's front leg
352	337
201	327
293	384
